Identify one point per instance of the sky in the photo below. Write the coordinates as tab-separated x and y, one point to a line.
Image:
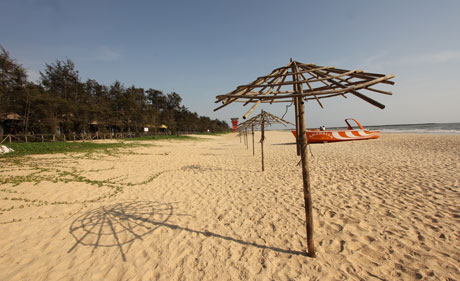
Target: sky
201	49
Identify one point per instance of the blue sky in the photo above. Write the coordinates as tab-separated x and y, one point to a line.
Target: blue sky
201	49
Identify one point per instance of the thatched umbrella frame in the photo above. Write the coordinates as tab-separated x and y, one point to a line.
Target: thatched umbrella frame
263	119
340	83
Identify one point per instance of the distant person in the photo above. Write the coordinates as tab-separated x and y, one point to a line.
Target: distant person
322	128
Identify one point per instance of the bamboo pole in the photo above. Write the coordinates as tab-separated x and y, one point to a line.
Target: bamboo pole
262	140
297	130
265	94
247	140
305	172
9	138
350	88
246	89
357	94
306	181
379	91
253	151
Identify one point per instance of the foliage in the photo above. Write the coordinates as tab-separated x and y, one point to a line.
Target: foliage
13	79
63	103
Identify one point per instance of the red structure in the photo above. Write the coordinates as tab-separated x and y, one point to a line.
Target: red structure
234	124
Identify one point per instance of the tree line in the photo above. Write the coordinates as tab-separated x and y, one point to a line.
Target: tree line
60	102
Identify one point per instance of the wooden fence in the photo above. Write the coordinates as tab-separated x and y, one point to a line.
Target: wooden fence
81	137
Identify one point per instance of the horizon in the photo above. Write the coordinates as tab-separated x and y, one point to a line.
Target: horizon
278	127
204	49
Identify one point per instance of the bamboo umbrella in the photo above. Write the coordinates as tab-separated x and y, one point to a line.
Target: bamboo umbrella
249	124
321	82
242	132
262	120
252	123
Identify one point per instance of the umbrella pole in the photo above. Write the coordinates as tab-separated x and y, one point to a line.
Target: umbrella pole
297	129
247	140
262	142
252	128
305	176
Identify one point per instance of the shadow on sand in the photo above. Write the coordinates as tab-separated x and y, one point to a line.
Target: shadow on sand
119	224
311	143
286	143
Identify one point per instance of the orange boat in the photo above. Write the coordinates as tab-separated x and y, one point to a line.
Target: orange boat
316	135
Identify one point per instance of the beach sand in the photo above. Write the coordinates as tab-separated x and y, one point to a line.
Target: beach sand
385	209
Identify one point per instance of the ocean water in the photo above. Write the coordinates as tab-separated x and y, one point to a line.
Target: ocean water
426	128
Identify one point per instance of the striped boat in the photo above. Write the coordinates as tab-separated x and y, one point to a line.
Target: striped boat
315	135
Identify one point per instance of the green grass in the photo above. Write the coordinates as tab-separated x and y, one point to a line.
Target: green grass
22	149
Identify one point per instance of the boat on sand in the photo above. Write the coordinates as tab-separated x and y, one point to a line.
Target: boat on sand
318	136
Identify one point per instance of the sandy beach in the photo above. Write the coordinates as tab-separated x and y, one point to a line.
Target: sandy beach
385	209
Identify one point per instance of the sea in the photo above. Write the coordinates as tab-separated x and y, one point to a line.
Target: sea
424	128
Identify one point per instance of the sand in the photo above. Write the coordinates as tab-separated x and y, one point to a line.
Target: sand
385	209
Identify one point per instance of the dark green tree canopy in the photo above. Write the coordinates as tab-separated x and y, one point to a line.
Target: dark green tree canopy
13	79
62	102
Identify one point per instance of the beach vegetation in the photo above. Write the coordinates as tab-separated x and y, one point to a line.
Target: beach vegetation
62	103
31	148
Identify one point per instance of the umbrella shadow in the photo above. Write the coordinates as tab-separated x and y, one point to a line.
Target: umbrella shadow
310	143
120	224
200	169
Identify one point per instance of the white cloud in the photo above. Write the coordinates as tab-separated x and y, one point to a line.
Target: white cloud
446	56
386	59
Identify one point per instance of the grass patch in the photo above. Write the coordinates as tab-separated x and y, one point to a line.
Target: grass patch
31	148
22	149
